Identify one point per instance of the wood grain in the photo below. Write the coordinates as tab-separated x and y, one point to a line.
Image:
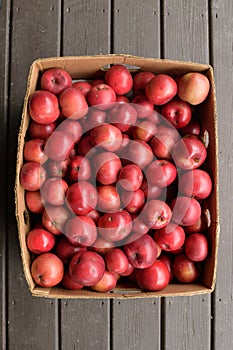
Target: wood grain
185	34
222	60
32	322
136	30
86	27
86	31
4	74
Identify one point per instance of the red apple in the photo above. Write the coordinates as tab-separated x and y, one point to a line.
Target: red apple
130	177
144	131
34	151
81	197
122	99
185	269
42	131
58	169
167	260
185	211
83	86
154	278
102	96
170	238
116	261
141	252
87	268
59	145
65	249
161	173
143	107
156	214
106	284
177	112
40	241
80	169
54	218
196	247
55	80
108	198
133	201
34	201
94	118
73	103
202	223
47	270
32	176
107	136
193	87
122	116
196	183
107	166
53	191
189	153
192	128
161	89
140	81
72	127
116	226
43	107
102	246
138	152
81	230
119	78
69	283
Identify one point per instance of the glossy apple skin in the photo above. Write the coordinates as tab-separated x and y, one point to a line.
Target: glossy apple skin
73	103
130	177
81	197
133	201
161	173
142	252
154	278
40	241
119	78
189	153
123	116
69	283
139	227
81	230
116	226
116	261
108	282
102	96
43	107
161	89
201	225
72	127
32	176
65	249
94	118
167	260
140	81
47	270
83	86
53	191
57	169
54	218
156	214
185	269
42	131
143	107
185	210
102	246
107	166
107	136
193	87
34	151
108	198
34	201
79	169
55	80
177	112
193	128
151	191
196	247
59	145
85	147
170	238
139	152
145	130
196	183
87	268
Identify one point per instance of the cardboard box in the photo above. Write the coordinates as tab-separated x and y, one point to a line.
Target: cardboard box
89	67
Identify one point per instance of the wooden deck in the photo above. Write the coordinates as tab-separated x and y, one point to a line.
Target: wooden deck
198	30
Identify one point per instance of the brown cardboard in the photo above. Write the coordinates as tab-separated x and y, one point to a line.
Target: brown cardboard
92	67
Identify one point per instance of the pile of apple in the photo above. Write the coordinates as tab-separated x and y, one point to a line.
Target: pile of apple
114	177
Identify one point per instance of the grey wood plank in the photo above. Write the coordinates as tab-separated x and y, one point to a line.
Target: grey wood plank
136	324
86	27
187	320
85	324
136	30
4	74
222	60
136	27
32	322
